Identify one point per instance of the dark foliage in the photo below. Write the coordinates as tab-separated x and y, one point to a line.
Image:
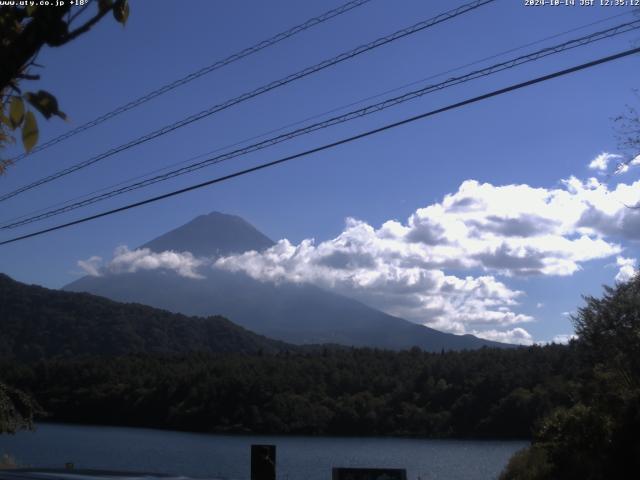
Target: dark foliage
16	410
487	392
38	323
24	31
90	360
597	438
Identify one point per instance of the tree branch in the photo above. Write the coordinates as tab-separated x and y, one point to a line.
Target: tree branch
85	28
43	28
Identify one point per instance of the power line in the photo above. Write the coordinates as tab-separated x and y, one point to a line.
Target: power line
343	141
377	107
265	88
5	224
312	22
624	28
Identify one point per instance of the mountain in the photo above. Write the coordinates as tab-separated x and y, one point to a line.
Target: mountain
212	235
36	322
297	313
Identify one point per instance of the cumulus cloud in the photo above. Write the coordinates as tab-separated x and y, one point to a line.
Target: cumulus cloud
510	230
601	162
518	336
606	211
513	229
131	261
91	266
412	268
626	270
387	272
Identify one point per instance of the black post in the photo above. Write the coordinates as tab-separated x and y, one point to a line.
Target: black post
263	462
369	474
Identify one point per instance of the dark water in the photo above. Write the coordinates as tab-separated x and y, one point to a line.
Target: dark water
227	457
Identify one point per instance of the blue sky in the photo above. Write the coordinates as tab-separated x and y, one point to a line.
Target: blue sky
536	137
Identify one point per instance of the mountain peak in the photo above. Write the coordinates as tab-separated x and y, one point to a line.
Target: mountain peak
213	234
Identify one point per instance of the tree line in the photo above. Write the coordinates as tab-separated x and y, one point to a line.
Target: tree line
482	393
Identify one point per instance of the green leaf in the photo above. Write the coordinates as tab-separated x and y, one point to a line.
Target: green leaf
45	103
121	11
29	131
16	112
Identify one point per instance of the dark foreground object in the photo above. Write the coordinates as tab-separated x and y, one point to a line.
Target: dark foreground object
67	474
263	462
262	450
369	474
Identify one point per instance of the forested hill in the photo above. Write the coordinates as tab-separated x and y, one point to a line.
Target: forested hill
486	392
36	323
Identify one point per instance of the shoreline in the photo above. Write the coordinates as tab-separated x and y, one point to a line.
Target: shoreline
284	435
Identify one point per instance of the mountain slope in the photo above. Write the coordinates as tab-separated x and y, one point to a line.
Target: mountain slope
36	322
212	235
290	312
300	314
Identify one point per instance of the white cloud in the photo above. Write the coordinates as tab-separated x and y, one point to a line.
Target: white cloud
539	305
131	261
182	263
624	167
627	269
601	162
91	266
413	269
518	336
512	229
387	273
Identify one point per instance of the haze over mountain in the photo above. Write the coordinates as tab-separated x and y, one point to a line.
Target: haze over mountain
297	313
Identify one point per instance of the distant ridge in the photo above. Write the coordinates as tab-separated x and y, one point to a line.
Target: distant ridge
37	322
295	313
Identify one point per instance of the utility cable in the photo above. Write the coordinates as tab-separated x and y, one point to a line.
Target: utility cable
312	22
374	108
328	146
254	93
313	117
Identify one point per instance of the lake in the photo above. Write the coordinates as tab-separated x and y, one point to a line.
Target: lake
227	456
